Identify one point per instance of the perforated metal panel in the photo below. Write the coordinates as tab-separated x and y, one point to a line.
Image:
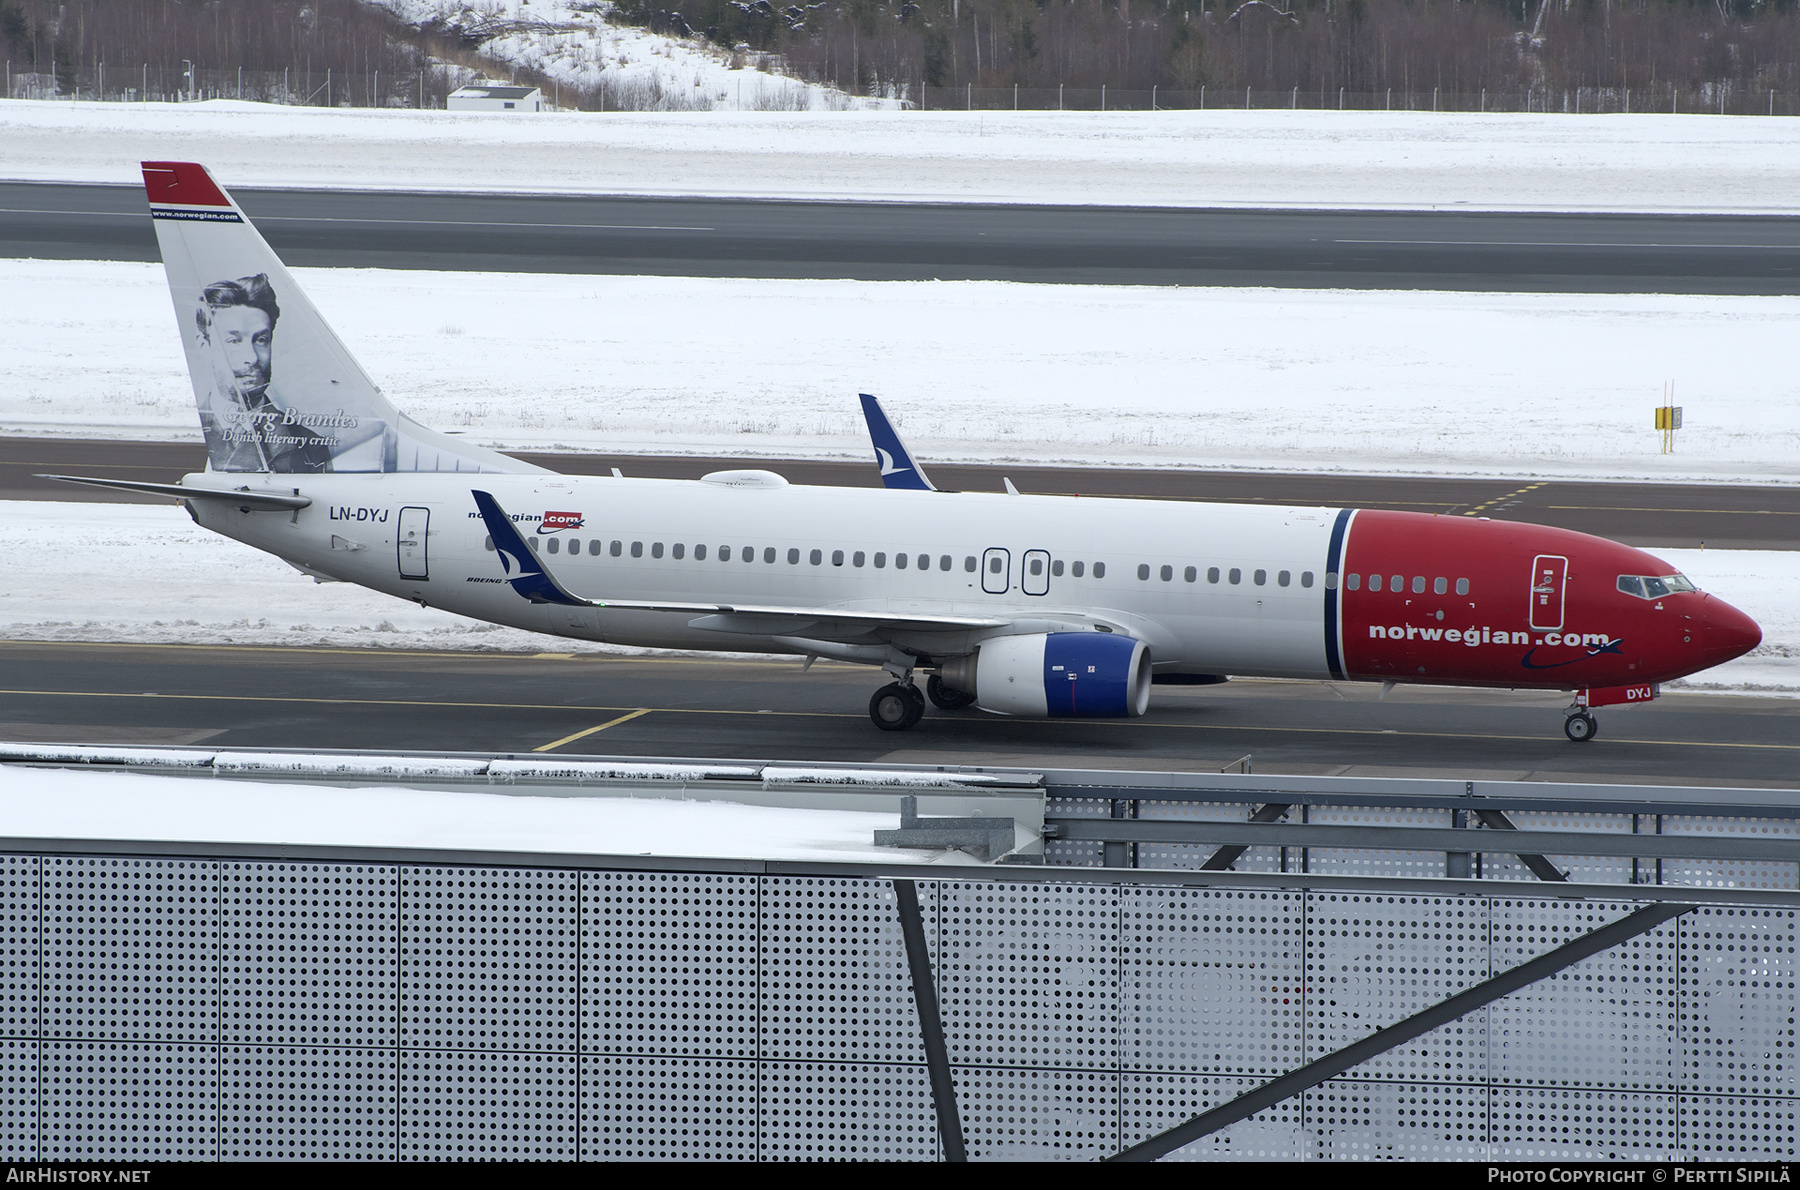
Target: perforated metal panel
1038	1115
1373	961
1212	981
1153	1103
309	953
823	1111
504	1106
1739	1128
663	1109
1028	974
1344	861
1356	1120
833	975
1075	853
669	964
488	958
18	1100
307	1104
117	1101
1556	1124
1739	1000
19	944
1607	1021
131	948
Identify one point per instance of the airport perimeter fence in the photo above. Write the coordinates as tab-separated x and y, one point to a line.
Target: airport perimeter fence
194	1002
429	87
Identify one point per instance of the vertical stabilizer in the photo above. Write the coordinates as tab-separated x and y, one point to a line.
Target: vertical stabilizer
898	468
277	391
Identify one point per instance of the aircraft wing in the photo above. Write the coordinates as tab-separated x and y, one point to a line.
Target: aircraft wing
527	575
898	468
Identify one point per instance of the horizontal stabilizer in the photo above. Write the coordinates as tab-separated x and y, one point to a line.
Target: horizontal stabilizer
260	499
898	467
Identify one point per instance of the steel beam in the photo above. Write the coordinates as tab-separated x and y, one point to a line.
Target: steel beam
931	1024
1222	859
1383	1040
1429	838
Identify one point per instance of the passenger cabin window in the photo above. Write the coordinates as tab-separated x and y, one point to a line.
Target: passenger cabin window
969	564
1353	581
1418	584
1261	577
1190	574
618	547
1306	579
1331	580
995	565
637	549
656	549
1143	570
488	544
1236	576
1374	582
594	547
880	560
678	551
724	553
1283	578
769	554
837	557
1037	566
817	557
1462	586
1056	568
699	553
1168	573
924	561
1397	583
944	562
749	553
856	559
532	542
574	545
555	545
1099	570
793	557
1212	574
1077	568
899	561
1439	586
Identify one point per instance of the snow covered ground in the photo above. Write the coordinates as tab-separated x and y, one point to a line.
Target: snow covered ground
191	586
1399	160
574	46
65	804
1508	385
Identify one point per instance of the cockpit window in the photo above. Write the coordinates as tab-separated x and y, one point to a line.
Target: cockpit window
1649	586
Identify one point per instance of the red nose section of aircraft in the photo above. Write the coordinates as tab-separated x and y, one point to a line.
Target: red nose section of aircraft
1473	602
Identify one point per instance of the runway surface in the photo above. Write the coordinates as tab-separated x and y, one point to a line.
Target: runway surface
709	237
1644	514
675	706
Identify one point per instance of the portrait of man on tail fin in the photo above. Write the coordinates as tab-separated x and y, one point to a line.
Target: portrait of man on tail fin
247	427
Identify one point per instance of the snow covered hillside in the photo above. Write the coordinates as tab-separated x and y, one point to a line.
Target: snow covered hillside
572	44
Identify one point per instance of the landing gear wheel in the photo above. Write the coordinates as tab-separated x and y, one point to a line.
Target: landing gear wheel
1580	727
897	707
945	698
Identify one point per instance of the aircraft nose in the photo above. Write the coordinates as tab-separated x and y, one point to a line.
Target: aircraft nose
1726	632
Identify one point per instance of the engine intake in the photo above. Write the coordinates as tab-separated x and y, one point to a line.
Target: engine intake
1058	675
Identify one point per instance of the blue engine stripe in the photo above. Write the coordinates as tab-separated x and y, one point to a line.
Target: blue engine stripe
1333	566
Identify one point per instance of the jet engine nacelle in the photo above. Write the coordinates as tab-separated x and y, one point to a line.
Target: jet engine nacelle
1061	675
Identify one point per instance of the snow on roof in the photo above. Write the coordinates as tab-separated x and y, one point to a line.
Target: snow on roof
479	92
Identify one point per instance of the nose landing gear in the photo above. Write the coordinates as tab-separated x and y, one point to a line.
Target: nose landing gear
1580	726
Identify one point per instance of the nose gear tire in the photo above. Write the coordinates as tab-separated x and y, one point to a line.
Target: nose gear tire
1581	727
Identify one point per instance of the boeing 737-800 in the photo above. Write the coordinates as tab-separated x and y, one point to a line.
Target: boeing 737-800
1016	604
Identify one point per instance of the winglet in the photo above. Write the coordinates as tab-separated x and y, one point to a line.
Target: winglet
520	562
898	470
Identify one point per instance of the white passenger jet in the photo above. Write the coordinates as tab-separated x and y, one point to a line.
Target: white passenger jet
1017	604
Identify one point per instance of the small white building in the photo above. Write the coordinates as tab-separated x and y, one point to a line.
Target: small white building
495	97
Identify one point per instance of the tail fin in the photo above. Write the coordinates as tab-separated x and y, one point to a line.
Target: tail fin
898	469
276	389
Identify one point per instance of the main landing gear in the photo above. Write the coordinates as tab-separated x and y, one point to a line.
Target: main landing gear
1580	726
897	707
